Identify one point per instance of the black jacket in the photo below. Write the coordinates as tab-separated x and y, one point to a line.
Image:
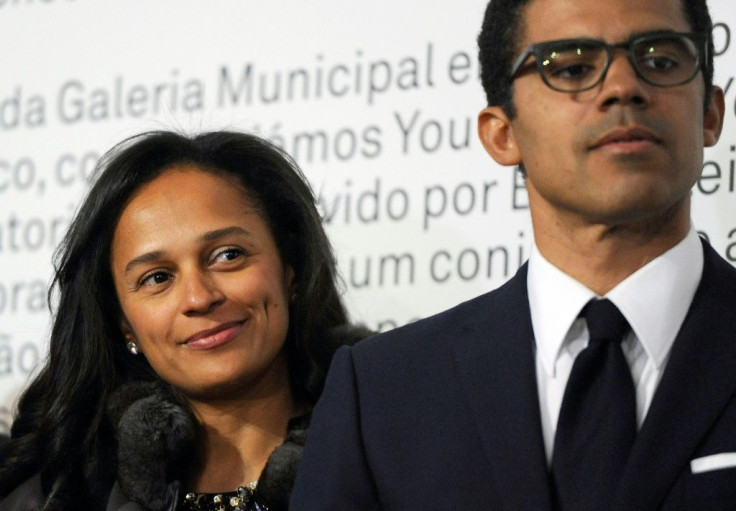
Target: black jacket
156	438
155	441
444	414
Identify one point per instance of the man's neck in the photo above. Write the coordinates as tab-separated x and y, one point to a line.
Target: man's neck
601	256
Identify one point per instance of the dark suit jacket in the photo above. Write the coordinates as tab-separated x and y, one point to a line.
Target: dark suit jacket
444	414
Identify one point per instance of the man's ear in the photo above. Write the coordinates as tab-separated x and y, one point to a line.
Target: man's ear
497	136
713	117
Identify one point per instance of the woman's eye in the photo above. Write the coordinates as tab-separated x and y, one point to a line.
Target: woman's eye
227	255
155	279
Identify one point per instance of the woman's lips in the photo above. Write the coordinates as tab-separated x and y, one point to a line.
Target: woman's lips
214	337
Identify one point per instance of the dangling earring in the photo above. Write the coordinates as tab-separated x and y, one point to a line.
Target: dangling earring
132	348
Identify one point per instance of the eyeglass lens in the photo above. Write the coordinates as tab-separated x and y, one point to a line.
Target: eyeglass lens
575	66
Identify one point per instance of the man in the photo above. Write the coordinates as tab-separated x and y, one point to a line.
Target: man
484	406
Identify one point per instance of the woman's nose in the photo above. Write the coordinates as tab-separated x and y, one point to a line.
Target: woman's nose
200	293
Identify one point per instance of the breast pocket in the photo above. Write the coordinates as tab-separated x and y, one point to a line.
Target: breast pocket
714	490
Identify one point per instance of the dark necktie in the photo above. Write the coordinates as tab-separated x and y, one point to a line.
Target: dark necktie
597	423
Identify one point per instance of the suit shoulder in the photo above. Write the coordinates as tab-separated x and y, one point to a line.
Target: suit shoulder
502	304
719	278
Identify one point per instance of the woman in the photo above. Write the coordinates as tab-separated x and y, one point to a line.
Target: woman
197	314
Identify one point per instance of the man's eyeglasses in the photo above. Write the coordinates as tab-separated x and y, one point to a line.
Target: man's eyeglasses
663	59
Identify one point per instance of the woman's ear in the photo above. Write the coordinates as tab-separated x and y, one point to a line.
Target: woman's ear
127	330
131	341
290	282
497	136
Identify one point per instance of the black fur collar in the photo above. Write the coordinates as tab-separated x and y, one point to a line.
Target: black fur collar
157	437
156	441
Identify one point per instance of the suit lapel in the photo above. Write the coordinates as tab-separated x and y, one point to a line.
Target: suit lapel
495	363
699	380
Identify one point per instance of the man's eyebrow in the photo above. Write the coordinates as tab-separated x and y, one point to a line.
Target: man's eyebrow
654	31
206	237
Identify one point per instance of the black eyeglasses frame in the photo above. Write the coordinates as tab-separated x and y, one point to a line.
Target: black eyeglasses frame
538	50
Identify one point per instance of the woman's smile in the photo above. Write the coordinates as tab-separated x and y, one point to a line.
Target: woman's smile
215	337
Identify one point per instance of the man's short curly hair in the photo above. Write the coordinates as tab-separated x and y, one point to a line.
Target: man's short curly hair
503	30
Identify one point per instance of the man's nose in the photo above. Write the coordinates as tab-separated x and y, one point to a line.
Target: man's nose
622	85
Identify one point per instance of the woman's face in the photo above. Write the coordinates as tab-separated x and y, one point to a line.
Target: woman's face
203	290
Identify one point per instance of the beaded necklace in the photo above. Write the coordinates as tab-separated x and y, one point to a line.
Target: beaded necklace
241	499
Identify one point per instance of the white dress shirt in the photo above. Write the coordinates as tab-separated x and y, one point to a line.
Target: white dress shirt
654	300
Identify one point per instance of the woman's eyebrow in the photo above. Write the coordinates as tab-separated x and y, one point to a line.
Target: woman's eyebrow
221	233
142	259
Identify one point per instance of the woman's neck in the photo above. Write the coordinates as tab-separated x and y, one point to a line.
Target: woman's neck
238	436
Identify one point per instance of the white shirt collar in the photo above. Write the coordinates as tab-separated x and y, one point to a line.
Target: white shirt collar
654	300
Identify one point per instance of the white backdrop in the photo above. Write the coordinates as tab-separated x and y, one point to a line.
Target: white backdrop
376	100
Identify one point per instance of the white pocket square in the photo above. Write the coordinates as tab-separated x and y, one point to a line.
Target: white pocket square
713	462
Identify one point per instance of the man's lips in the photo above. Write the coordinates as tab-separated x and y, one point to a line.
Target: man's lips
633	137
214	337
